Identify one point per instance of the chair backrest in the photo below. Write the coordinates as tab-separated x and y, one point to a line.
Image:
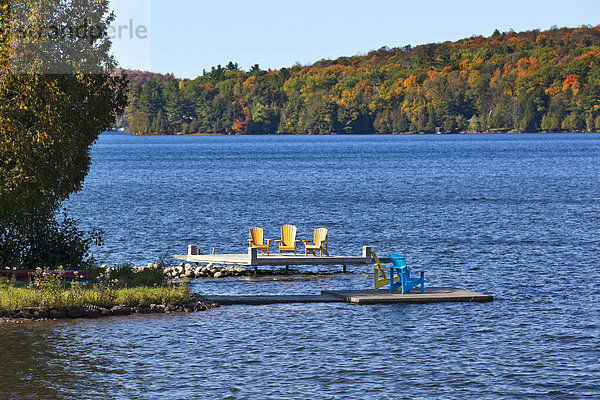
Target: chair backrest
376	259
379	275
320	236
288	235
256	235
398	260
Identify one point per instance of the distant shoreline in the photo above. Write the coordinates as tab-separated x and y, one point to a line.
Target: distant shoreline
352	134
530	81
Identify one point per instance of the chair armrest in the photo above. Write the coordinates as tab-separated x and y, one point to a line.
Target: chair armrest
297	241
278	241
305	242
381	267
268	241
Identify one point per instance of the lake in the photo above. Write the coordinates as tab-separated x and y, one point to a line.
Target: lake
516	216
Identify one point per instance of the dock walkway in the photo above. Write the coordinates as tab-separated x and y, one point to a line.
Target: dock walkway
253	259
431	295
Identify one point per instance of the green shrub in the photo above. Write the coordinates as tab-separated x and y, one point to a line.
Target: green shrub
127	275
40	239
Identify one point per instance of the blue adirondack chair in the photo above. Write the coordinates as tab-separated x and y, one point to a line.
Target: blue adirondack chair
406	283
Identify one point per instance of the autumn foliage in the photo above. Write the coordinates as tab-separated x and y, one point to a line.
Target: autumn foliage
528	81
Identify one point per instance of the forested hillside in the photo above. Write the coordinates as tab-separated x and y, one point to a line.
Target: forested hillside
530	81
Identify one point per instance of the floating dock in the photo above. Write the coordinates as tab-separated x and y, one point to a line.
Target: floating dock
273	299
252	259
431	295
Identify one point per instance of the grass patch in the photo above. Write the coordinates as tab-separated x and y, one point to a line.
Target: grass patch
16	298
48	291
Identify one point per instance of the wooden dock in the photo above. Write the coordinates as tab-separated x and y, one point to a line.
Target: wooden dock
278	299
252	258
431	295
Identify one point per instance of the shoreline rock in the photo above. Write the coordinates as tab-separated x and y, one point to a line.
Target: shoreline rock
196	304
211	271
189	271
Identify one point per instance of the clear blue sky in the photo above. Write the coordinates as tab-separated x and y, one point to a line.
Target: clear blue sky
187	36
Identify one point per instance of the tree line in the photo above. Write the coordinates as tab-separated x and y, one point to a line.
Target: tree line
534	81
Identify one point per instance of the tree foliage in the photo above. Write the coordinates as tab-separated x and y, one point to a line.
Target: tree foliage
528	81
48	121
56	97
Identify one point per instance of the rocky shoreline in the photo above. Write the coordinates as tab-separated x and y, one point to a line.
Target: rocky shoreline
177	272
211	271
196	304
190	271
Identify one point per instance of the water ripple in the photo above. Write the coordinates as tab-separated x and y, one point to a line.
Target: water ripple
513	215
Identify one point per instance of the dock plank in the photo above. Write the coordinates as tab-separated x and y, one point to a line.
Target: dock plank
244	260
275	299
229	259
431	295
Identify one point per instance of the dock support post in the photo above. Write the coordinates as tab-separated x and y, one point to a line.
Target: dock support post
367	252
193	250
253	255
287	268
345	269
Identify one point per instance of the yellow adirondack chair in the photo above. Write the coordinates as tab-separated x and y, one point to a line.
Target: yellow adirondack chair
380	277
257	240
288	240
319	243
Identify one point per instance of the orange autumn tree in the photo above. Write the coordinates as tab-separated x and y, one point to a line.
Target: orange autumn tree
511	81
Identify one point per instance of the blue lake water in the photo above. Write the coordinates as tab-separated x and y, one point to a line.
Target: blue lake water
516	216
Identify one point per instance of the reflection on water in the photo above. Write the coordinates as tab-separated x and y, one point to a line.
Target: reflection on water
514	216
